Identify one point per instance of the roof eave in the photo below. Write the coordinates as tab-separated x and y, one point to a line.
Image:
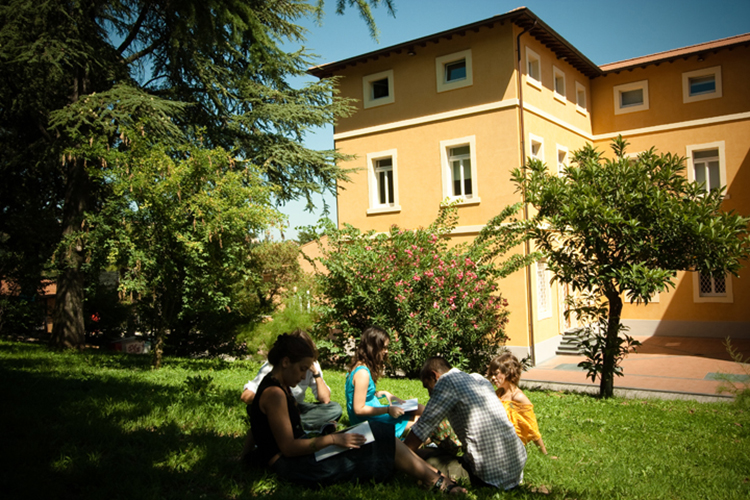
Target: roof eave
522	17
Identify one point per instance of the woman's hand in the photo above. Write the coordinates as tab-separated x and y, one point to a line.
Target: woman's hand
385	394
395	411
348	440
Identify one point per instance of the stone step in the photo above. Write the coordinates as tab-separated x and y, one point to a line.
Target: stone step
570	343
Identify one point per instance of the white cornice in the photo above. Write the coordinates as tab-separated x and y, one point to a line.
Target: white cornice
458	113
551	118
510	103
715	120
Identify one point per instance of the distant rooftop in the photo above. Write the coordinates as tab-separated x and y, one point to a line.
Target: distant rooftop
684	52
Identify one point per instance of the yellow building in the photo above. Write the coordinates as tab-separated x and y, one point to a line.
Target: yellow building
451	114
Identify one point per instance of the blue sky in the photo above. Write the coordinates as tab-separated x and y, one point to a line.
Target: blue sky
603	30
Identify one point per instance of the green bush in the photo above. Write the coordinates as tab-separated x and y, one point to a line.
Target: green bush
295	313
433	299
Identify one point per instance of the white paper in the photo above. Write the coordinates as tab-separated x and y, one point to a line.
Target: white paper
361	428
408	405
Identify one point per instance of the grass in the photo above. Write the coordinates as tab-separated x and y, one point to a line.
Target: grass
97	425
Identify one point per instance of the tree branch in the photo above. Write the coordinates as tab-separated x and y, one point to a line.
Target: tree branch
137	55
135	29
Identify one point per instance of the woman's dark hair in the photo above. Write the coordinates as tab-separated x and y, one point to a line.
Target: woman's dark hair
508	365
295	346
371	351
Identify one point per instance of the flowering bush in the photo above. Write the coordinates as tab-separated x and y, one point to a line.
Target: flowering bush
433	299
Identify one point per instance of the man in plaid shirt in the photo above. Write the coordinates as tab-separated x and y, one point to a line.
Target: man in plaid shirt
493	453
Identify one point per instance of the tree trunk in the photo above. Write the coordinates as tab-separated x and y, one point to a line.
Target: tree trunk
68	330
606	387
158	353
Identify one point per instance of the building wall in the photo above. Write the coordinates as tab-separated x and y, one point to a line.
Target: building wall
413	128
415	81
672	125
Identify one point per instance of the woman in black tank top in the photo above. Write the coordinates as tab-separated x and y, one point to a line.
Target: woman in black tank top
284	447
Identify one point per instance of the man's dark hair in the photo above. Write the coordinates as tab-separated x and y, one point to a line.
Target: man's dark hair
434	364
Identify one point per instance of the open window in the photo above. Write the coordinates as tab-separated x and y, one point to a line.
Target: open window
533	69
383	181
454	71
631	97
377	89
459	167
701	84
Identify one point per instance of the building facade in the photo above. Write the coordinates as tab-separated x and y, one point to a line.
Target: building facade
448	116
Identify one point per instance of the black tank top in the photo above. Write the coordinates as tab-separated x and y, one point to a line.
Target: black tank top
267	447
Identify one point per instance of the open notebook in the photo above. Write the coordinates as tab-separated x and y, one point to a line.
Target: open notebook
329	451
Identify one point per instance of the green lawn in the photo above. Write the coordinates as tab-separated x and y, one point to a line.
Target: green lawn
103	425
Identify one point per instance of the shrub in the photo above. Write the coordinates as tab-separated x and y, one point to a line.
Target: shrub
433	299
295	313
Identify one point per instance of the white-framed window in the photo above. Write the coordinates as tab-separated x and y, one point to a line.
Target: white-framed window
707	165
712	288
543	290
454	71
581	105
533	69
382	177
377	89
536	147
459	165
701	84
562	160
631	97
559	81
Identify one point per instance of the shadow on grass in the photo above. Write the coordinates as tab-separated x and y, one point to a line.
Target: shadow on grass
66	435
99	425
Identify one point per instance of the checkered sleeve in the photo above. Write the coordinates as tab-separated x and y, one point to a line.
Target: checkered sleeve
436	410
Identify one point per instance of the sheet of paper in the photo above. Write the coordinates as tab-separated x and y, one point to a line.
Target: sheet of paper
329	451
408	405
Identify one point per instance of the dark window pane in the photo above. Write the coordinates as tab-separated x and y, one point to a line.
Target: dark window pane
380	88
702	85
455	71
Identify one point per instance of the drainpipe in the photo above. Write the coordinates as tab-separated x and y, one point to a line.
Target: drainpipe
527	244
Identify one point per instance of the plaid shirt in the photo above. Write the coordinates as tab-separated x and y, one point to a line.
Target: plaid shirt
491	447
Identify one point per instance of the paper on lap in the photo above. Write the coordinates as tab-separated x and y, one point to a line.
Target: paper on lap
408	405
361	428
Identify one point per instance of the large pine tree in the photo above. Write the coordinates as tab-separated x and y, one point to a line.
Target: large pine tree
79	72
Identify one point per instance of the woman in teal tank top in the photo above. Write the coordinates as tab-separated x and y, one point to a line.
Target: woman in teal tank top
362	398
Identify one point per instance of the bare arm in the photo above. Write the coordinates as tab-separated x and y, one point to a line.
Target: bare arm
412	442
247	396
361	381
324	393
273	404
540	443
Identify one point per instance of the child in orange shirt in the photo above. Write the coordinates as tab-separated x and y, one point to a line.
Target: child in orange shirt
505	372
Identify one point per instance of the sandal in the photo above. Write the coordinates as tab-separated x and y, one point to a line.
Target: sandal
448	488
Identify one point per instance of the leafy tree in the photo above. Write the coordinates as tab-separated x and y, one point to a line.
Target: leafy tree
80	72
623	227
177	227
433	298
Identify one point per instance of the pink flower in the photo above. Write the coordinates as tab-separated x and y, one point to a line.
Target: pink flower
435	305
416	277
